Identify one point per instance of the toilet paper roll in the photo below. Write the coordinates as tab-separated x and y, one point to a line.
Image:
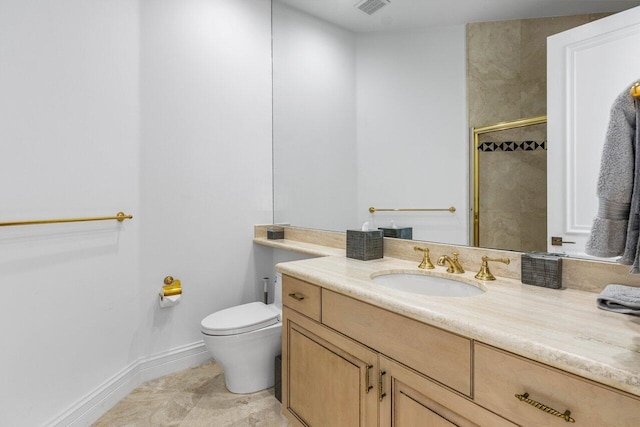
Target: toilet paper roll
169	301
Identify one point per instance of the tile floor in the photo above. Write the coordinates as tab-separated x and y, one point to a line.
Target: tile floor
194	397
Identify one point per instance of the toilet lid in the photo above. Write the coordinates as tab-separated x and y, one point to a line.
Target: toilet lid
240	319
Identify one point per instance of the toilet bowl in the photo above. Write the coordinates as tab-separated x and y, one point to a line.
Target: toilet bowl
244	340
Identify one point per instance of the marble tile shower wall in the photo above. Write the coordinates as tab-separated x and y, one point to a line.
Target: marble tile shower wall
506	80
513	188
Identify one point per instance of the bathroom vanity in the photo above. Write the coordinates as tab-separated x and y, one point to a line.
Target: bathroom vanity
357	354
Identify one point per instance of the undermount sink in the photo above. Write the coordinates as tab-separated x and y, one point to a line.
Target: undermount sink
426	285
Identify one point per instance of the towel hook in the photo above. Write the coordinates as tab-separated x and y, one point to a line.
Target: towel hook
635	90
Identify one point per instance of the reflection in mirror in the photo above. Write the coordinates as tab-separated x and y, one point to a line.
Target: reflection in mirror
598	59
382	118
369	119
510	185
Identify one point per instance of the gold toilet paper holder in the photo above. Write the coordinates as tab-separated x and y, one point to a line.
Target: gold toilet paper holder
171	287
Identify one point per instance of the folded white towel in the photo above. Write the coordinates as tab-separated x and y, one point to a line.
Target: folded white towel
620	298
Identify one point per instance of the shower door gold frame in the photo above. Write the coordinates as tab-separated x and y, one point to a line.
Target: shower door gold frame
476	162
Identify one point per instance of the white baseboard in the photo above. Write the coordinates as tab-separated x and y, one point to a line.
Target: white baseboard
88	409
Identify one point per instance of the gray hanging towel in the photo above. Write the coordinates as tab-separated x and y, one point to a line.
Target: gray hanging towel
616	228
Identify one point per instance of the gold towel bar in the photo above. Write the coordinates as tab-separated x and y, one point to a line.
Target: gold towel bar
373	210
120	216
635	90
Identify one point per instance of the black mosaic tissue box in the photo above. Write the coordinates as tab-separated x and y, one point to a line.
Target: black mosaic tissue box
542	269
397	232
365	245
274	233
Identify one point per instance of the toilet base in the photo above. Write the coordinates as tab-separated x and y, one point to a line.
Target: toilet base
247	359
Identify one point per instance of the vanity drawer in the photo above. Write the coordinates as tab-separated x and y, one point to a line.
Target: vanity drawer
301	296
499	376
440	355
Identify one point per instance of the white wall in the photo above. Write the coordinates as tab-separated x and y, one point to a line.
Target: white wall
314	119
412	132
161	109
69	136
206	147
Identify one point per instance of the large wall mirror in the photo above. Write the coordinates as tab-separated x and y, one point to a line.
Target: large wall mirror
378	110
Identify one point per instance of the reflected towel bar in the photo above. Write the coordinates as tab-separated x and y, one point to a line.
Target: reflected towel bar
120	216
373	210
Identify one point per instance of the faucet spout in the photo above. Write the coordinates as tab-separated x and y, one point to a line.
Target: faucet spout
453	263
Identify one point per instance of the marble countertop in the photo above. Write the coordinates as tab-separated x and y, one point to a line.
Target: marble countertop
300	247
560	328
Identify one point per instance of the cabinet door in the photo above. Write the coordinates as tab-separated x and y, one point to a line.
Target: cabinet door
409	399
327	379
409	411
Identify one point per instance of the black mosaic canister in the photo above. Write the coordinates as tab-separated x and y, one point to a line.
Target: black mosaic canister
542	269
397	232
365	245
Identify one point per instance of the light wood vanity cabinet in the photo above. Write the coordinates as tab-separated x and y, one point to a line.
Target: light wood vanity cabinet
348	363
330	379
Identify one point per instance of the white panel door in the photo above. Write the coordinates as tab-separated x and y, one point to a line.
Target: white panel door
587	68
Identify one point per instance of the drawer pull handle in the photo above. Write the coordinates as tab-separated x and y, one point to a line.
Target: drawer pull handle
565	416
381	395
296	296
367	381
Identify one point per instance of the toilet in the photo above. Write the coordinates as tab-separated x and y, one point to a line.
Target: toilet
244	340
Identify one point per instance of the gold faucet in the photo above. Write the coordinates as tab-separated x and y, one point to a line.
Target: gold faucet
426	261
454	264
484	273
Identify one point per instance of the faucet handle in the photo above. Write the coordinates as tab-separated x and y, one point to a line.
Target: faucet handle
484	273
426	260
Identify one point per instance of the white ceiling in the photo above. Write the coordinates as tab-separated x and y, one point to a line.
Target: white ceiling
411	14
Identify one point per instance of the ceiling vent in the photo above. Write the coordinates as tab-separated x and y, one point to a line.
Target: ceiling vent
372	6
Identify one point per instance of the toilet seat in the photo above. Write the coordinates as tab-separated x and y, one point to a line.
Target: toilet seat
240	319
